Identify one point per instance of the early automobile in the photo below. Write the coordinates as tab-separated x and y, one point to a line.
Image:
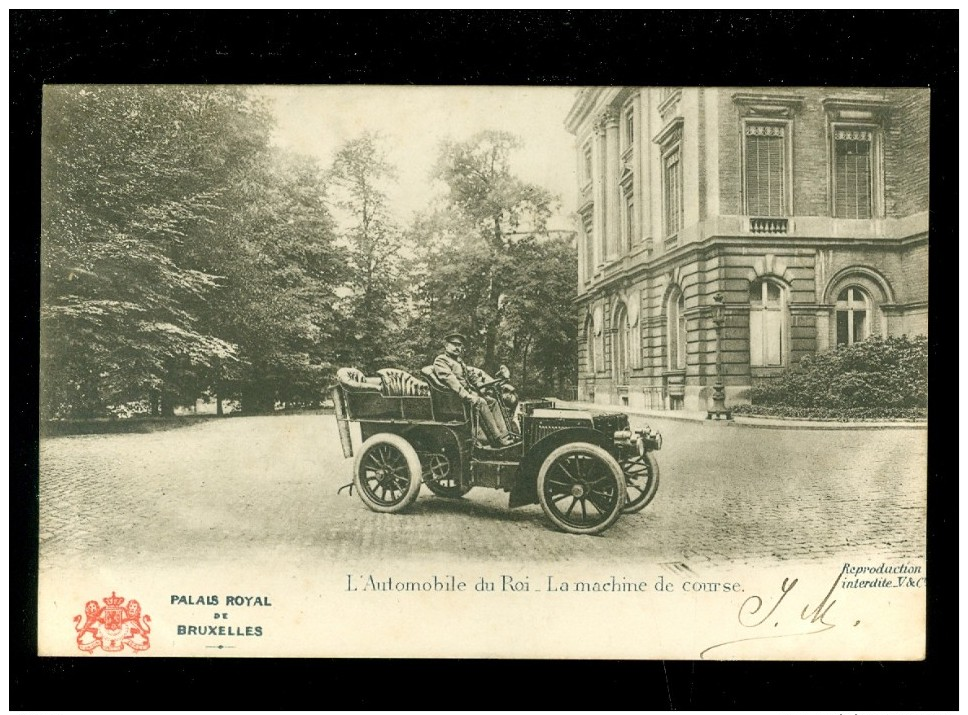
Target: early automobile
584	468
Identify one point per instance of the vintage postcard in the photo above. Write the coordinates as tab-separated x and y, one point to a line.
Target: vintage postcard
630	372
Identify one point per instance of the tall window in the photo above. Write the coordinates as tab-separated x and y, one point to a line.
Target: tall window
586	175
628	127
590	345
853	173
629	224
676	328
672	192
587	214
621	345
766	323
765	160
853	313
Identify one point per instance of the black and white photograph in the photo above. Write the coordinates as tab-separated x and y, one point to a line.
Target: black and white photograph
561	359
484	371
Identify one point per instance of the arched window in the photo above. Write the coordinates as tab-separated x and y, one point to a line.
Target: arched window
676	327
853	316
621	345
767	323
590	345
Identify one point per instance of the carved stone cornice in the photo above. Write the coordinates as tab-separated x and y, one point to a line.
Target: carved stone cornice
669	103
767	105
627	180
586	214
670	133
853	109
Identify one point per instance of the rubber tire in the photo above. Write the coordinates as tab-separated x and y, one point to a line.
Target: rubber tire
618	477
447	492
636	505
413	466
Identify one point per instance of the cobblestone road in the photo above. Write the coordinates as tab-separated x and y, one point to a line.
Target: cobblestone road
236	487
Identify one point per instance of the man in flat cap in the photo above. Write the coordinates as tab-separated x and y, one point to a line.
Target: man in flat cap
449	368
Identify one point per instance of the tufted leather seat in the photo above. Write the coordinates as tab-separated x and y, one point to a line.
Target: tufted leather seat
447	405
400	383
355	381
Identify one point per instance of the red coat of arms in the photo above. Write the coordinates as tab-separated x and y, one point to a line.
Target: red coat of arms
112	626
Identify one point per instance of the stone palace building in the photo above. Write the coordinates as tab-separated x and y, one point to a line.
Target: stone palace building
794	218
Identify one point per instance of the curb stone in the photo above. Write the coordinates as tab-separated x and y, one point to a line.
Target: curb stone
750	420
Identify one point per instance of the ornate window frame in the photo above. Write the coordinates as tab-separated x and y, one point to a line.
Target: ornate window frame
761	314
628	127
771	113
621	343
866	118
669	140
676	329
587	215
850	308
782	128
587	166
590	365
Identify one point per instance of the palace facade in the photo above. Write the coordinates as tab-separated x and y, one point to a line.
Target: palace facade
770	223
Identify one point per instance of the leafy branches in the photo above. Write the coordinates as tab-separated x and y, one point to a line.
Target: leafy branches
184	254
375	292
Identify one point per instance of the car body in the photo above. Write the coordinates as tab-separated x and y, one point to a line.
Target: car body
584	468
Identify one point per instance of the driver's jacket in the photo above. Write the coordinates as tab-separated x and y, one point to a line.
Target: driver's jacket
457	376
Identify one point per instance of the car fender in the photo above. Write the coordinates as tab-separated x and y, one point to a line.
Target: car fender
525	490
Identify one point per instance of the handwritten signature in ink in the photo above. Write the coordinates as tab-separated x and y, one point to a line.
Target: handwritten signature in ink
757	614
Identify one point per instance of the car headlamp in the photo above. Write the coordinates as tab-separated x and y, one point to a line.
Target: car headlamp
651	439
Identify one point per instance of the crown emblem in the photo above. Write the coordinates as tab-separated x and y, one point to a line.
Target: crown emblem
112	627
113	600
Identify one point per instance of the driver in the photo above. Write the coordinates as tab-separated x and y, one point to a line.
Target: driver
450	369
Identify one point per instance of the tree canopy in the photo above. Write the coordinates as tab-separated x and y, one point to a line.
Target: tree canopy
375	295
173	241
489	266
185	255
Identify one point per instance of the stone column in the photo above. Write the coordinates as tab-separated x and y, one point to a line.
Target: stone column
599	190
613	218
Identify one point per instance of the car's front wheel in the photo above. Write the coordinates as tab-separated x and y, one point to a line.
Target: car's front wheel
581	488
641	481
387	473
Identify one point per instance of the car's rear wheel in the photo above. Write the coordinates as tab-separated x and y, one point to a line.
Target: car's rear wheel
641	481
581	488
387	473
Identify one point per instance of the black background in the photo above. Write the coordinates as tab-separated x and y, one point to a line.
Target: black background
481	47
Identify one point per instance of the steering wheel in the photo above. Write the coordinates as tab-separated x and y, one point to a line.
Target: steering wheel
496	382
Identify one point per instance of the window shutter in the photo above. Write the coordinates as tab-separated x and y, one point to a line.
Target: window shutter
672	202
765	187
852	173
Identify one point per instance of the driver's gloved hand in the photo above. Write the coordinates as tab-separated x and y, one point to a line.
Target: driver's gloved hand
474	399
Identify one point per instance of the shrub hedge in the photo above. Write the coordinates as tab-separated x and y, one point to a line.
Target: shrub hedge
874	379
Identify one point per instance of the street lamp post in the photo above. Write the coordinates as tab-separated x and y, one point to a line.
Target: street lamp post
718	407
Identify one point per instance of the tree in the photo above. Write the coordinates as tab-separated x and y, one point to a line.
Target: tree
487	264
278	297
499	209
134	181
181	253
375	295
539	315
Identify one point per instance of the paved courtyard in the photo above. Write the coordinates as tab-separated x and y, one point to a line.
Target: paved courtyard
239	486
